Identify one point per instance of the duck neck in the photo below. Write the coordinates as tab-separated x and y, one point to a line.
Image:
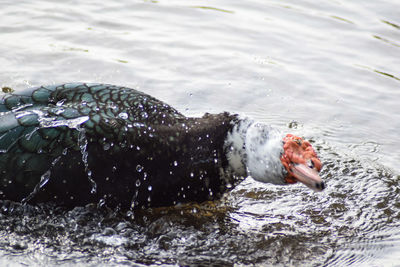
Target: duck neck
254	149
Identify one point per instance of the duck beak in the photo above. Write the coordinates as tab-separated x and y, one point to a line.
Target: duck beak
308	176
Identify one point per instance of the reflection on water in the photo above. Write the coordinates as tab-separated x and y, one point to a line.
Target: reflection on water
391	24
213	8
381	72
329	70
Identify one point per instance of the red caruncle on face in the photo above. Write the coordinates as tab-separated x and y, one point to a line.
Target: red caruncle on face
298	151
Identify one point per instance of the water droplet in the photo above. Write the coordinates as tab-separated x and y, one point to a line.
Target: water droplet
61	102
192	174
130	214
144	115
139	168
137	183
215	161
138	148
123	115
106	146
101	203
149	199
149	188
94	186
175	163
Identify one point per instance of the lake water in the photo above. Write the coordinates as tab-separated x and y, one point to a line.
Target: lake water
325	70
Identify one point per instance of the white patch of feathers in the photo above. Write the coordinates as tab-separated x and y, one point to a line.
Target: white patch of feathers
254	149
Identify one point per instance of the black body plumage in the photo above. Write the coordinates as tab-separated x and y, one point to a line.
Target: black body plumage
81	143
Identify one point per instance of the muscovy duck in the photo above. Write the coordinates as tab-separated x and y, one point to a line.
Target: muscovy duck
78	143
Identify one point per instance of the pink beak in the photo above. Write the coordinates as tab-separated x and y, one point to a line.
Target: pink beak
307	176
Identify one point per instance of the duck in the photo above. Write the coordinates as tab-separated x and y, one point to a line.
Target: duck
80	143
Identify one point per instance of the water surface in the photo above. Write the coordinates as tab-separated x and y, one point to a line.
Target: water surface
326	70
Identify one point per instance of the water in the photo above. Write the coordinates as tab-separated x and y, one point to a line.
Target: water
326	70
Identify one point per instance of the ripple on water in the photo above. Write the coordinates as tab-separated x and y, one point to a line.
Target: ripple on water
343	225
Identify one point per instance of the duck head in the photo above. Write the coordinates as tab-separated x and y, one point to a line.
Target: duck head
265	154
301	163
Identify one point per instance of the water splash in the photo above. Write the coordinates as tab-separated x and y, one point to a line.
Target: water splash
44	179
82	143
134	201
46	122
21	107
